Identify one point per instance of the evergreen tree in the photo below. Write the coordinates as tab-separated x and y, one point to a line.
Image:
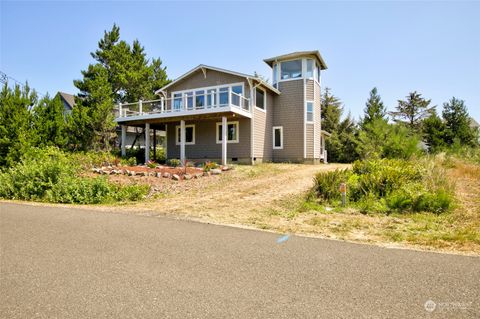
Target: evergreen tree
15	122
457	122
434	133
49	123
412	111
341	145
374	109
122	73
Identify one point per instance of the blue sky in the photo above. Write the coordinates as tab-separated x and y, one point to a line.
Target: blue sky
431	47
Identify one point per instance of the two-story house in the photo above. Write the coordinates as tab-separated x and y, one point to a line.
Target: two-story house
226	116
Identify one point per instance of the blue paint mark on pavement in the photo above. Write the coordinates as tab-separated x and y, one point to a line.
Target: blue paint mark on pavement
282	239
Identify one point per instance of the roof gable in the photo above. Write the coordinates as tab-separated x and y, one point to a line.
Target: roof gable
203	68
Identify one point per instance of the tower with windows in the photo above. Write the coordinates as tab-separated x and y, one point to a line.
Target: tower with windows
297	131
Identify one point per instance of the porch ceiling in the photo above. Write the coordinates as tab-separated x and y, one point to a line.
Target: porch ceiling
192	117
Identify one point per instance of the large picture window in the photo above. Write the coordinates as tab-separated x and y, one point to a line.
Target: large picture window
277	137
291	69
189	134
260	98
232	132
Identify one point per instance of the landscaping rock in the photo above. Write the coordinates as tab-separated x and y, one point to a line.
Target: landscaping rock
144	173
167	175
225	168
158	174
175	177
198	175
216	171
187	177
207	173
131	173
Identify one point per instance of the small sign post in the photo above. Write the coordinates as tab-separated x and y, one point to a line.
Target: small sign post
343	191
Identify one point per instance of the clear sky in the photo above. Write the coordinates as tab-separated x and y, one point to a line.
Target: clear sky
431	47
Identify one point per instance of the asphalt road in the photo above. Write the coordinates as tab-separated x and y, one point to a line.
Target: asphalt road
74	263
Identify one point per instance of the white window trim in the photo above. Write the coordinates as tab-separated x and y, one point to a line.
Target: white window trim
306	111
177	135
281	138
264	99
238	132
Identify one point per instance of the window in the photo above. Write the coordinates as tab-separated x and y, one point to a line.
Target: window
236	99
278	137
318	73
189	134
291	69
223	96
309	111
260	98
232	132
310	65
177	101
189	99
275	74
200	99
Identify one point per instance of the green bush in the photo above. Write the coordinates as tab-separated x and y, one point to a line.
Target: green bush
208	166
389	185
173	162
327	184
50	175
130	161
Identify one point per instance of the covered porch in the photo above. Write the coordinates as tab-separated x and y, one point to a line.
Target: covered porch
215	136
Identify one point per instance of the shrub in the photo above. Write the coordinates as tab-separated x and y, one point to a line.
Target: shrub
130	161
173	162
50	175
327	184
389	185
151	164
208	166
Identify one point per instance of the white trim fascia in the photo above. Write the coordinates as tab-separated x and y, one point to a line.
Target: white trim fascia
252	122
281	137
237	123
193	134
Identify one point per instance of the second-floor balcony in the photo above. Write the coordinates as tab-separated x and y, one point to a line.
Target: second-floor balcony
192	102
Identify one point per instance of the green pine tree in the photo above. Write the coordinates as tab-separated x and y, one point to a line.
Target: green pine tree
434	133
15	122
412	111
122	73
457	123
50	123
341	145
374	109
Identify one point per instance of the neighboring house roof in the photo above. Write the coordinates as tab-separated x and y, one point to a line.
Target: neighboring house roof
297	54
473	123
203	66
68	99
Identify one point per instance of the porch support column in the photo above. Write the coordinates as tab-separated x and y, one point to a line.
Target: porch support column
224	140
155	145
182	142
147	142
124	140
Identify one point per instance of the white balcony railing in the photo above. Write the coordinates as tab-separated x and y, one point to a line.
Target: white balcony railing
185	104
